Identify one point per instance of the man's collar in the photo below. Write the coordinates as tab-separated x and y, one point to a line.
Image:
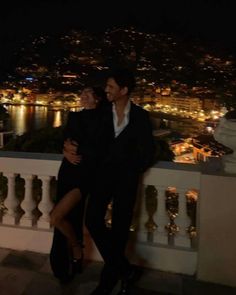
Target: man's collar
127	107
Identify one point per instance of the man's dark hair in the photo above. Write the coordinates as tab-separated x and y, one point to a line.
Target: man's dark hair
123	77
100	95
99	92
230	115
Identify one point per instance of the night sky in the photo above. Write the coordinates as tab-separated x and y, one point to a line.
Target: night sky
209	20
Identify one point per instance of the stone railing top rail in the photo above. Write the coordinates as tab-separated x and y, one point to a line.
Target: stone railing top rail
213	167
28	155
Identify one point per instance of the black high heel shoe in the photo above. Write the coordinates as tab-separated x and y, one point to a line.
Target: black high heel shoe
77	265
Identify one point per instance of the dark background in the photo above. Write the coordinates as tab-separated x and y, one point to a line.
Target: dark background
212	21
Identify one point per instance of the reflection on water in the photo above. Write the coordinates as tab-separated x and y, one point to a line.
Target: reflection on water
27	118
57	119
20	118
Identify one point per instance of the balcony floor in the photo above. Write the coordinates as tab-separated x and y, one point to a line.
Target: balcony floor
27	273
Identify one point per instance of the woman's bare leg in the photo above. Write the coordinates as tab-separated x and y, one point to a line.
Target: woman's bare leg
58	219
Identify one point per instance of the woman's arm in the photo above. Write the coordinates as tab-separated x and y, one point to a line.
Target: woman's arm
70	146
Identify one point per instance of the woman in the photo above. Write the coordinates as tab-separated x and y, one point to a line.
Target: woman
75	178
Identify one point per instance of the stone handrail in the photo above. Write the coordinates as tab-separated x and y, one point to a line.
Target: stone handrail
160	238
152	221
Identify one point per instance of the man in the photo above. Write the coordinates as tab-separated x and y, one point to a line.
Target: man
126	132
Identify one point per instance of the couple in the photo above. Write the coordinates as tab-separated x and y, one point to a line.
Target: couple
119	148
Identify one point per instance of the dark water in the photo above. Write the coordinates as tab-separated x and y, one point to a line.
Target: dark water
28	118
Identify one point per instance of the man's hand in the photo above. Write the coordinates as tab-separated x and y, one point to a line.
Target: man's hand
70	152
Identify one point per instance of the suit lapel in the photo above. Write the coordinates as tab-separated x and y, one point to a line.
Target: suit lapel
108	123
130	124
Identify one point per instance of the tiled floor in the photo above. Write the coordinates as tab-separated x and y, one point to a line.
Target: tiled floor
28	273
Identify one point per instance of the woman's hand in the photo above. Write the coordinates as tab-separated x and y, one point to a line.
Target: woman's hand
70	152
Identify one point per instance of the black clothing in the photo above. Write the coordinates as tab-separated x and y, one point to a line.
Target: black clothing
127	157
81	127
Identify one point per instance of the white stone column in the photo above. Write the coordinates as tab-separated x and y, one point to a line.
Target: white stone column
182	220
1	140
161	235
11	202
28	204
225	133
45	206
143	216
151	208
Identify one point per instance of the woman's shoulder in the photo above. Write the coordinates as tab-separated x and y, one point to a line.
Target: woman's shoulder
75	114
105	108
73	117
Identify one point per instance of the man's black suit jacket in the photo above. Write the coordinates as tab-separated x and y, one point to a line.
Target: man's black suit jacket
133	150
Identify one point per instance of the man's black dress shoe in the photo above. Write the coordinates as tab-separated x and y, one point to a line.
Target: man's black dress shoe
65	280
108	280
125	289
128	281
101	290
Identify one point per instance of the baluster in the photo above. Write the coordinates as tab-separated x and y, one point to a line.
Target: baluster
11	202
143	216
161	235
45	206
151	207
135	224
172	205
182	220
28	204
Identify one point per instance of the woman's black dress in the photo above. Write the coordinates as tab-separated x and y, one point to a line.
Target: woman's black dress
83	128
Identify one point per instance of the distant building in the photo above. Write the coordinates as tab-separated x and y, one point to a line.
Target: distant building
189	104
205	147
209	104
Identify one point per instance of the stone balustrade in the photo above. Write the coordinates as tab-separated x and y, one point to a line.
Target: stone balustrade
169	228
